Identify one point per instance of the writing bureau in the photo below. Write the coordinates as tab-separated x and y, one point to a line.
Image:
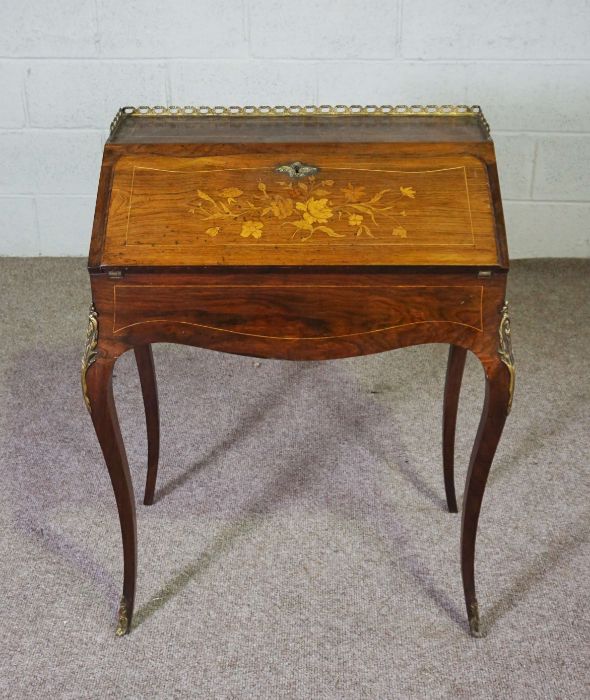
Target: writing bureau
302	234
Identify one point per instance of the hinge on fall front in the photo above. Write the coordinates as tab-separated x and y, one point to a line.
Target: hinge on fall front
115	274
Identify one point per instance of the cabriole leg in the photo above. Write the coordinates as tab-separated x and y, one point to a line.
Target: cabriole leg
99	395
495	410
149	389
455	366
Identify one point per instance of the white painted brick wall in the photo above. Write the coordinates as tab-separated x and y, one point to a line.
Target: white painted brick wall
67	65
507	29
324	30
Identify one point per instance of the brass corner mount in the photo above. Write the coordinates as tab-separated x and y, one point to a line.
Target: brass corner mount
90	353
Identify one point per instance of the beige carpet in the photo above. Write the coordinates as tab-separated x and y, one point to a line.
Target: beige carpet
299	546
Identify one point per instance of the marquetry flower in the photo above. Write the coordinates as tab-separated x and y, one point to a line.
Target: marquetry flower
282	207
355	219
231	193
399	231
315	210
408	192
252	228
213	231
352	193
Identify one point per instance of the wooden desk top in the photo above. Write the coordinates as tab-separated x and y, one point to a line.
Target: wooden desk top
375	188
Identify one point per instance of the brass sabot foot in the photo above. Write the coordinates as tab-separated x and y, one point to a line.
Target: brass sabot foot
123	619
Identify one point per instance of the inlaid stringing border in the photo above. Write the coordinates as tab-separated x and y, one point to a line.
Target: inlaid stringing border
282	244
294	286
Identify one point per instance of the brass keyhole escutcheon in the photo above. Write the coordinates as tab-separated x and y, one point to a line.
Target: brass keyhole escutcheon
297	170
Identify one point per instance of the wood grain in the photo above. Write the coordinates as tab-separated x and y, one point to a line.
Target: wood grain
238	210
305	311
299	314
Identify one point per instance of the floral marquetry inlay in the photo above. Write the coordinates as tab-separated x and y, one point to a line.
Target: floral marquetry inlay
304	209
